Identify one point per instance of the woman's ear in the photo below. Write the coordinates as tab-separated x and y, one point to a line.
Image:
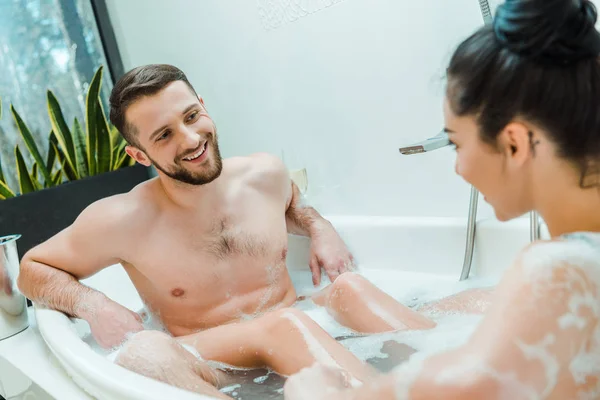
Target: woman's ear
138	155
514	141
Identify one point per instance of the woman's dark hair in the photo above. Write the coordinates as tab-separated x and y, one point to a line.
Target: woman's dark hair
537	61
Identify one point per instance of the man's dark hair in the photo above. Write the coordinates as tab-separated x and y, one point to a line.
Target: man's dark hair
146	80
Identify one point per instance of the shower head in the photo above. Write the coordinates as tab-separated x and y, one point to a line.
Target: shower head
433	143
486	11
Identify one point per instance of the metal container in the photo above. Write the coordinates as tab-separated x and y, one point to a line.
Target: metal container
13	305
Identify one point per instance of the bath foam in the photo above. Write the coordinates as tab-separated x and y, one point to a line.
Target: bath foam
229	389
273	274
386	316
573	317
586	364
471	367
315	348
577	257
540	260
540	352
406	375
375	308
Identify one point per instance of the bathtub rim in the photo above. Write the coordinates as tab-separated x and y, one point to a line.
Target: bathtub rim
90	369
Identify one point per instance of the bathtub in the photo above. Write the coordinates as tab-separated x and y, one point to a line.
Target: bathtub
416	252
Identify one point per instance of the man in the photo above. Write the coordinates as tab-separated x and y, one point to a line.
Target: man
204	244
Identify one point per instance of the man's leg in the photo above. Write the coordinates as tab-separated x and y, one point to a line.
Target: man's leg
358	304
285	340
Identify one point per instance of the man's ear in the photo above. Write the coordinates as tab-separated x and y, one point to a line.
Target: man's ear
138	155
514	141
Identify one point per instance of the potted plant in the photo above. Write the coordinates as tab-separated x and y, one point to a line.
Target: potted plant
83	164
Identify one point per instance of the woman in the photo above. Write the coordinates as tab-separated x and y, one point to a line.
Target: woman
523	110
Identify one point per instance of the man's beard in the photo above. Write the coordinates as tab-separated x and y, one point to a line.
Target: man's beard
181	174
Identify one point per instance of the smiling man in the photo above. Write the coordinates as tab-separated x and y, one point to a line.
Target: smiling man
205	245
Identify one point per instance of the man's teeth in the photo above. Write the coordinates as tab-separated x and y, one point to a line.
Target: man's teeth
198	154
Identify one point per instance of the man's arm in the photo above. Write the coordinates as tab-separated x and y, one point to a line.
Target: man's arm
301	219
328	250
50	272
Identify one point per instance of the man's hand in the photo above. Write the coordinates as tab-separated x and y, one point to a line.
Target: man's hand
318	382
110	322
328	251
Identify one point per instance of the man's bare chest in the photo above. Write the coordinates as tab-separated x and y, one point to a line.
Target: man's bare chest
225	255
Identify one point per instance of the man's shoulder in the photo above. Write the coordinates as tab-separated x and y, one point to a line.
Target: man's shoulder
123	209
257	162
263	170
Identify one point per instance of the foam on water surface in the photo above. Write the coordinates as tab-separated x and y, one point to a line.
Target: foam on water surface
384	351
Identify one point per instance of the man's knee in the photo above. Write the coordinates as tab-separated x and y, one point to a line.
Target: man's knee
147	348
286	317
349	282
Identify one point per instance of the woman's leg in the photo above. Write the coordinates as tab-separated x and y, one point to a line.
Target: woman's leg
358	304
471	301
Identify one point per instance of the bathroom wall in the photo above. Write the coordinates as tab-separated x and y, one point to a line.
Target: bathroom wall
335	86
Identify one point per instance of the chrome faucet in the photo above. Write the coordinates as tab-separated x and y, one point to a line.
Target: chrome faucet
13	305
441	140
437	142
433	143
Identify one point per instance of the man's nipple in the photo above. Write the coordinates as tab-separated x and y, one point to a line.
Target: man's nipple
178	292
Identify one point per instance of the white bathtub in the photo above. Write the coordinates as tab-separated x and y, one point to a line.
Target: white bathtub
431	248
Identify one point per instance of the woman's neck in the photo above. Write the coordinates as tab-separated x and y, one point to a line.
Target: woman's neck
571	210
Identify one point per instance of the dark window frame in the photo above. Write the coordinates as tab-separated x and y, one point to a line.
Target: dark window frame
108	39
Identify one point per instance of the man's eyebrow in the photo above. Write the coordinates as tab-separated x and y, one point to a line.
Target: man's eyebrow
162	128
156	132
448	130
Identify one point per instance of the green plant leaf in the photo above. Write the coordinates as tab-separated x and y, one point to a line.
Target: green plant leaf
33	149
25	182
61	131
56	178
115	135
118	153
68	171
1	173
79	142
5	192
34	177
51	152
122	161
91	119
104	150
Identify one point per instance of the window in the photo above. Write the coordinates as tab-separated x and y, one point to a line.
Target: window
46	45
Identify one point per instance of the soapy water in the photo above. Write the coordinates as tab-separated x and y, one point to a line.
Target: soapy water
383	351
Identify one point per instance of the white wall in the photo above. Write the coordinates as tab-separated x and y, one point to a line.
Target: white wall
336	91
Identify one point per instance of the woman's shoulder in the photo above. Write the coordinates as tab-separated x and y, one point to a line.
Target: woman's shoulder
578	250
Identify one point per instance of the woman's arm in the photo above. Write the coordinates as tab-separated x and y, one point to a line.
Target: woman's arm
539	338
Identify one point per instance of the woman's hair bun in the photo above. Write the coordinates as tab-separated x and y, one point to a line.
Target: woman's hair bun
550	31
